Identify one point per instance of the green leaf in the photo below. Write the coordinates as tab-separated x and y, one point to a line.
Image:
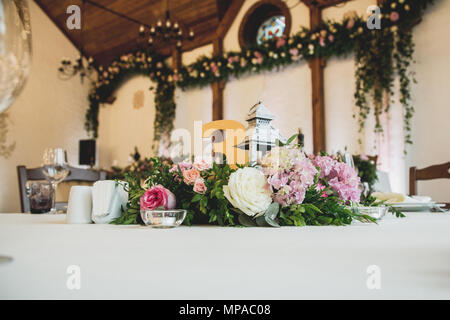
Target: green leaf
272	210
261	221
197	197
324	220
247	221
288	142
271	222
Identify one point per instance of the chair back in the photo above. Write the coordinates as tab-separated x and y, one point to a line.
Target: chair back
373	158
75	174
439	171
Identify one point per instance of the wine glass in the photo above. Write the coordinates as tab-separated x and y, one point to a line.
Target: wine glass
15	49
348	159
55	168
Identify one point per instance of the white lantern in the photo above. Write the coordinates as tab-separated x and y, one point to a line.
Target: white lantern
260	135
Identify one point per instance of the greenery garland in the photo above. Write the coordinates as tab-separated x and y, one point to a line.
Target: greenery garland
390	53
138	63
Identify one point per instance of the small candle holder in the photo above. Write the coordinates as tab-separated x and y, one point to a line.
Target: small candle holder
163	218
374	212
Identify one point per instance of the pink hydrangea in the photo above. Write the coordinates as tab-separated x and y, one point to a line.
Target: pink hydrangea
340	177
325	164
289	174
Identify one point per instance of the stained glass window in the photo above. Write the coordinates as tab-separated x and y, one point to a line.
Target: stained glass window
271	28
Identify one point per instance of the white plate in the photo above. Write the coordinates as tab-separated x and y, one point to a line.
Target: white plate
409	206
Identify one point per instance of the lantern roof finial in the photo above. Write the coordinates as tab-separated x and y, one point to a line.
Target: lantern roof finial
259	111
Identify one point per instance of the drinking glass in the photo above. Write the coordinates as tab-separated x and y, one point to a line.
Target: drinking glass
15	49
40	195
55	168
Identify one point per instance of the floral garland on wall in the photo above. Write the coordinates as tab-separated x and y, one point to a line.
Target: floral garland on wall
389	53
129	65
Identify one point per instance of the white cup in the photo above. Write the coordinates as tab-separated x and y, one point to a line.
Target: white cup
79	209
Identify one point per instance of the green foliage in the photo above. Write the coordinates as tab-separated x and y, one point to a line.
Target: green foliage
129	65
371	201
367	170
212	204
317	210
130	214
380	55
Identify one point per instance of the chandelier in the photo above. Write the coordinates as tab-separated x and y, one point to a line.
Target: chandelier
167	30
69	69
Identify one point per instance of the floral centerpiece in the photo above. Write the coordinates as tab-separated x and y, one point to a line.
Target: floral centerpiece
288	188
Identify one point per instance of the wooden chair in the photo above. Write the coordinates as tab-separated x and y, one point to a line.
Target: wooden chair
75	174
439	171
373	158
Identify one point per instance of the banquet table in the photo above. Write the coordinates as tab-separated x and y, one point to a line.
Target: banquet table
412	256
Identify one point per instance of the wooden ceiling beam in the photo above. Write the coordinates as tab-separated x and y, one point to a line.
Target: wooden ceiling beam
70	36
229	17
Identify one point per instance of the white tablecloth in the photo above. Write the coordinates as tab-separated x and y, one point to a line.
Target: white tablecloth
204	262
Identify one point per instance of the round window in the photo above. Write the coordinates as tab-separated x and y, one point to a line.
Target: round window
265	20
271	28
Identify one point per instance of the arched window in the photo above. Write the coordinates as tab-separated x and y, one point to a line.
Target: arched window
265	20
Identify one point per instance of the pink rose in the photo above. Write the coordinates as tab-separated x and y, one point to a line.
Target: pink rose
199	186
184	165
189	176
331	38
350	23
394	16
258	57
157	196
322	42
201	165
280	42
214	67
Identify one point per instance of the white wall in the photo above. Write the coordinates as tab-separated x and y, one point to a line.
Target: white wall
286	93
122	127
194	104
431	95
48	113
342	129
339	87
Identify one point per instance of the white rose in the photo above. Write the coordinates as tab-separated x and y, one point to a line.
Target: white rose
247	190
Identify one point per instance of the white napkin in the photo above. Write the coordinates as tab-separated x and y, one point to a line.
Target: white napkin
108	198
